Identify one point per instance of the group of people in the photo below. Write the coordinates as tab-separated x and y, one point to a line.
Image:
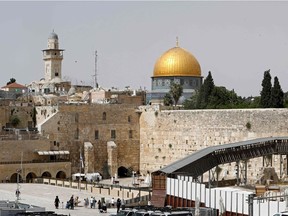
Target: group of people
70	203
92	201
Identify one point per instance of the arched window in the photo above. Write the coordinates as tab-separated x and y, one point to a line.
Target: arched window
104	116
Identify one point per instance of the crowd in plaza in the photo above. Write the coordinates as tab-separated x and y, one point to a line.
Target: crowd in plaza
91	202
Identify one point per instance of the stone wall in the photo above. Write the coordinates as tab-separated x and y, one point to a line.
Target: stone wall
73	125
17	154
167	136
24	113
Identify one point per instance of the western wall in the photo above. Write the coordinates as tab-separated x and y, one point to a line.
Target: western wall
169	135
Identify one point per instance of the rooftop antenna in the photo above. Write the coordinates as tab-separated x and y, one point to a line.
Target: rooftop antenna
95	75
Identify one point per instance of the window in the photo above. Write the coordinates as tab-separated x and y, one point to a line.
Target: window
130	134
104	116
76	136
96	134
56	74
113	134
76	117
129	118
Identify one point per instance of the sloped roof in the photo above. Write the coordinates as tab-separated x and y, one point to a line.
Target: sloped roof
14	85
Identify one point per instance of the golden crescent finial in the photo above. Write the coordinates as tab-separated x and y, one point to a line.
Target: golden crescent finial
177	42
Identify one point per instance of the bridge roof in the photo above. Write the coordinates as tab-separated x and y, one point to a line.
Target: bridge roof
207	158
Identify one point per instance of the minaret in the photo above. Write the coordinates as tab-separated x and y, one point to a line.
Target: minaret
53	57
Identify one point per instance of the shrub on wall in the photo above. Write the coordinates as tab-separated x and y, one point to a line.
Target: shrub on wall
248	125
14	120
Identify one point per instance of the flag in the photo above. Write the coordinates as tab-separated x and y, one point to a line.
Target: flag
81	161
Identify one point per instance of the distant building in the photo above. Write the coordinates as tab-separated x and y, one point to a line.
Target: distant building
12	91
15	87
175	65
52	82
127	96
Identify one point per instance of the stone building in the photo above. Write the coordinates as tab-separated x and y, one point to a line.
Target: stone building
26	155
52	81
112	130
176	65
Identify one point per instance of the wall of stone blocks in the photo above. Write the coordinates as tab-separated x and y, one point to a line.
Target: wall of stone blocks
74	124
24	113
25	150
167	136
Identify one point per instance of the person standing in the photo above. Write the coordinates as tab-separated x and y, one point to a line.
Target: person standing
91	202
71	201
56	202
17	193
112	202
118	205
94	202
99	205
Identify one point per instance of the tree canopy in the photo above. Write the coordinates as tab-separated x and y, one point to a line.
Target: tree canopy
277	95
265	94
176	91
210	96
12	80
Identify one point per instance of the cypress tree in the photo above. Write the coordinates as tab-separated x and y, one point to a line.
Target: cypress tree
277	95
205	92
265	94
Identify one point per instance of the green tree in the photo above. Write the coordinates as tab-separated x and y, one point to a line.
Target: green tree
191	102
176	91
168	100
12	80
221	98
205	92
265	94
277	95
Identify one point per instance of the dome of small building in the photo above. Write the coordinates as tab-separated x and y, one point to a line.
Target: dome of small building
53	35
177	62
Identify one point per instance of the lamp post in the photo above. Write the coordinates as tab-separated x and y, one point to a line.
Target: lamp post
17	193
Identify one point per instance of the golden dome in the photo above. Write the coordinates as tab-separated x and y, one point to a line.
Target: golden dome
177	62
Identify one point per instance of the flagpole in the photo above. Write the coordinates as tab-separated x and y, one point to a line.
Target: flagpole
80	169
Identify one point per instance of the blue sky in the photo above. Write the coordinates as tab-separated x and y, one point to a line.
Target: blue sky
236	41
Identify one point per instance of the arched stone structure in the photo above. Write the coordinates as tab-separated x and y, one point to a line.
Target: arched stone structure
47	174
61	175
30	176
123	172
14	177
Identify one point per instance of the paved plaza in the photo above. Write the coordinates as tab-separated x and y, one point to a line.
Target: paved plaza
43	195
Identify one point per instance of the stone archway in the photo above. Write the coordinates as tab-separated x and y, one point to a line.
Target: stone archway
123	172
30	176
46	175
13	178
61	175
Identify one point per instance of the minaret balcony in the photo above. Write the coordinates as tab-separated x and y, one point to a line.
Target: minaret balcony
46	57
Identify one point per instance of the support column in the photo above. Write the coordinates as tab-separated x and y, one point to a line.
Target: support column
112	158
89	158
